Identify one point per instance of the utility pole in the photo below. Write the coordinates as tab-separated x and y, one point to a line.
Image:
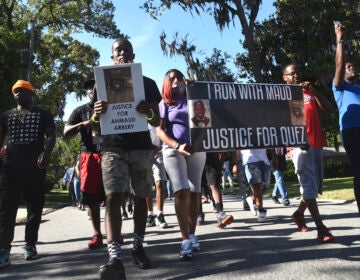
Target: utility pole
31	51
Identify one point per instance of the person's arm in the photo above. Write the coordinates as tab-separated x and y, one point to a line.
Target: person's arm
151	110
44	157
73	129
236	156
339	57
100	107
77	168
221	157
166	139
322	102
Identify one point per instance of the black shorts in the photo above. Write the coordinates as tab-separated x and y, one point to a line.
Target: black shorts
89	198
213	175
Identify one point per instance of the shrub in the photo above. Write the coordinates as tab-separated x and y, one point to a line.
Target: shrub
336	165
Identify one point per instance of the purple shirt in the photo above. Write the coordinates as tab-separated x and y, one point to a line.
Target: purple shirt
177	120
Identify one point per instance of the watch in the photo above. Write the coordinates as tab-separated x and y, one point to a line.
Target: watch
177	146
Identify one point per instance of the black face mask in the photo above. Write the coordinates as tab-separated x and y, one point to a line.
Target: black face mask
24	98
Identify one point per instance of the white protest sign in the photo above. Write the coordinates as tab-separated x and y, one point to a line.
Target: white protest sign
122	86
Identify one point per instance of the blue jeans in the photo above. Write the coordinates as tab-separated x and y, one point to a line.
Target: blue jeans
279	185
77	189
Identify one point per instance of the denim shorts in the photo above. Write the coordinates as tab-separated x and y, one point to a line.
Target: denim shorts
309	169
258	172
118	167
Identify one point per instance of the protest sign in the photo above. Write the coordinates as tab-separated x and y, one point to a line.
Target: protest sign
230	116
122	86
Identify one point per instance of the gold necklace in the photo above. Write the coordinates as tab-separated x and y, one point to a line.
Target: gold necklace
21	113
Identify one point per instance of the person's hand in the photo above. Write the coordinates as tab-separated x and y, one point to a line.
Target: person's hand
235	169
145	107
157	148
307	86
100	107
339	30
43	160
186	149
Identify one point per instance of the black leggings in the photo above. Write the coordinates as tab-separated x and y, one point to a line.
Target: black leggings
351	140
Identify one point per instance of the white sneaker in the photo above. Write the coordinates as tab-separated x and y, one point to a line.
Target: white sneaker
262	216
253	207
194	242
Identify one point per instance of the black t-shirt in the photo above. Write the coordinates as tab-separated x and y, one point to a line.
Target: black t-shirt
137	140
81	114
26	135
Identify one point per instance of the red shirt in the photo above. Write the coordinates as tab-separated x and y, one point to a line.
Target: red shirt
312	120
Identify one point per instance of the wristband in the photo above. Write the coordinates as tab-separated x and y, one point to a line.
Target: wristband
93	119
152	117
340	42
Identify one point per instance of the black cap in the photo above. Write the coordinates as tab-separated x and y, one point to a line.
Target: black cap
89	84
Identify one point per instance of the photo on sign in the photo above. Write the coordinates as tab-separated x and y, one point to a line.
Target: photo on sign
296	109
200	114
119	87
122	87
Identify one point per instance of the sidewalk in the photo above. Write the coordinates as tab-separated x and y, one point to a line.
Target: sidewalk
244	250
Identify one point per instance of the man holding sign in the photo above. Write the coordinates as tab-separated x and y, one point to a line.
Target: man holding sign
123	156
308	161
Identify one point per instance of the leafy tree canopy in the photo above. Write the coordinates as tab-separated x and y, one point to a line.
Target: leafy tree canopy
224	13
60	64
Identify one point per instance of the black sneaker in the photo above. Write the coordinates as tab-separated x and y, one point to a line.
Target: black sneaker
160	221
286	202
275	199
30	253
140	259
150	222
114	269
246	206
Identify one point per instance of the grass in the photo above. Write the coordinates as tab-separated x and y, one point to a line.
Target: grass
57	197
336	188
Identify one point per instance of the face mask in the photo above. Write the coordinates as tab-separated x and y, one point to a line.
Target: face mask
178	88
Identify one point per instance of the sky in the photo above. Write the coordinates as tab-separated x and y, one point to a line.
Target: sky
144	35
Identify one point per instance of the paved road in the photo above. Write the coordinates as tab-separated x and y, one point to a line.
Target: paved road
244	250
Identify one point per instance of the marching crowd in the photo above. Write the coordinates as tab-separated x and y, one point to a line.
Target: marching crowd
125	167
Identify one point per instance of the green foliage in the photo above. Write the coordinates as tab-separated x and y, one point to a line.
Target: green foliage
335	166
60	64
213	68
224	13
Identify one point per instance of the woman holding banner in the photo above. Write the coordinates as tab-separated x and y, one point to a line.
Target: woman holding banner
183	165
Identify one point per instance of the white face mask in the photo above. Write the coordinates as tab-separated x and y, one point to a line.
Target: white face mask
179	87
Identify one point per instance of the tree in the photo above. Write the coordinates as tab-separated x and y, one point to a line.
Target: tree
224	13
60	63
303	32
213	68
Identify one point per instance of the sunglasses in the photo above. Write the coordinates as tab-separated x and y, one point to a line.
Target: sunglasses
293	73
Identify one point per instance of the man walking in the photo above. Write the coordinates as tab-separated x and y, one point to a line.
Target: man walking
30	134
